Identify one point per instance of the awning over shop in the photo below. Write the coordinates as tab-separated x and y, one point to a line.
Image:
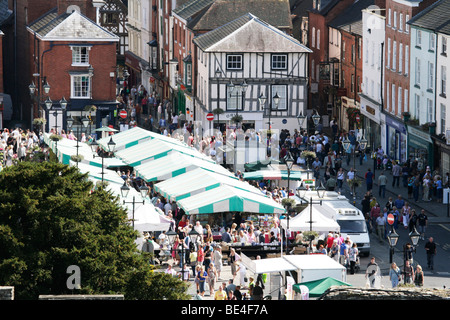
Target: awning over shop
272	175
229	199
134	136
173	165
155	149
197	181
318	287
317	221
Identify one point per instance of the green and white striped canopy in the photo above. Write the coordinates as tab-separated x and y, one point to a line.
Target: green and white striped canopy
173	165
131	137
273	175
65	148
197	181
229	199
155	149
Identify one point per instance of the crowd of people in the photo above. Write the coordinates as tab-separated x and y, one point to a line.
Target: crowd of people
18	145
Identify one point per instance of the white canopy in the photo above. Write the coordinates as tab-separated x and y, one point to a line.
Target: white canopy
147	218
196	181
320	220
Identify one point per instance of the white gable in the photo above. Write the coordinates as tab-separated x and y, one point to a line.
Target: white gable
256	36
78	27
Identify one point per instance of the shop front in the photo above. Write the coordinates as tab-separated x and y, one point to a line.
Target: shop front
396	139
371	123
420	148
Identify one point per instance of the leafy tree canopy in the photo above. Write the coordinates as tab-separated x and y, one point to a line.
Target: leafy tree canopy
51	219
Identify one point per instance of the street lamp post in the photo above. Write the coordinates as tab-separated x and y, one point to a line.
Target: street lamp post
124	190
414	236
392	238
111	148
289	163
242	89
85	123
301	193
36	91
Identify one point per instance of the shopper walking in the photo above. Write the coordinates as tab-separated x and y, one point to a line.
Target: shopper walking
430	248
382	182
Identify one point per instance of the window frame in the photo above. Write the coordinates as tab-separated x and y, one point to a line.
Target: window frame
241	62
278	55
283	94
77	57
73	89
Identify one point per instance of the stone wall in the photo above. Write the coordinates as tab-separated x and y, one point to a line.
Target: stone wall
6	293
353	293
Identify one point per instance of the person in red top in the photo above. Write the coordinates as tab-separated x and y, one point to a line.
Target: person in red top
183	223
330	240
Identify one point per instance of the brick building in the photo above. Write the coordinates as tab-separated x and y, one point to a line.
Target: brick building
77	59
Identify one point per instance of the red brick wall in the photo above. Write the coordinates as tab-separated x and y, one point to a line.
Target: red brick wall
57	65
351	68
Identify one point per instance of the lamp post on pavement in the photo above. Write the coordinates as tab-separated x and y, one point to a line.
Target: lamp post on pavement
111	148
301	193
124	190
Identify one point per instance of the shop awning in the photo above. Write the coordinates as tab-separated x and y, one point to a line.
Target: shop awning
155	149
134	136
173	165
197	181
229	199
272	175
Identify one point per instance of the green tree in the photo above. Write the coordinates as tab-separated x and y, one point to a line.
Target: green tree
51	219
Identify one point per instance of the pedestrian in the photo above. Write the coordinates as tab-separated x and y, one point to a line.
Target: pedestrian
334	251
418	276
234	260
343	253
375	212
369	179
411	180
220	294
202	276
395	275
331	184
382	182
408	273
217	259
212	276
396	173
406	213
372	272
340	179
352	257
412	220
380	223
242	274
422	220
430	248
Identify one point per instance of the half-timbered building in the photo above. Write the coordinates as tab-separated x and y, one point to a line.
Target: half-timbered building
244	60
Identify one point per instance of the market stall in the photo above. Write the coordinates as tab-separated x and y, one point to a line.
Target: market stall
173	165
197	181
313	218
229	199
155	149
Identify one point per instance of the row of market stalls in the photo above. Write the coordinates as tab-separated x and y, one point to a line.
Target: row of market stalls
194	181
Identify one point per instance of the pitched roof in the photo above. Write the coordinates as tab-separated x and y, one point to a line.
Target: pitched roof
247	37
5	13
435	17
350	19
275	12
192	7
69	26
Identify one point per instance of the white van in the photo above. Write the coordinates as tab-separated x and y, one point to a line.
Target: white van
352	223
